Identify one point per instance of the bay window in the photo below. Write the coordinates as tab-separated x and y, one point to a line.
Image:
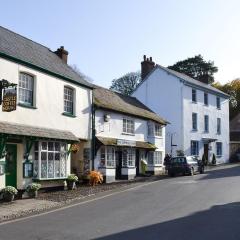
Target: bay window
107	156
50	160
158	130
154	158
128	157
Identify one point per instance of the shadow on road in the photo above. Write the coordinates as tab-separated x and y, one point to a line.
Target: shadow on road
221	222
222	173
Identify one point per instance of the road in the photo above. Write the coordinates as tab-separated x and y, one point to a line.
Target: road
192	207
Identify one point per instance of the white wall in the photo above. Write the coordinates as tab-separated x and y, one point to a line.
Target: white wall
49	102
162	93
213	113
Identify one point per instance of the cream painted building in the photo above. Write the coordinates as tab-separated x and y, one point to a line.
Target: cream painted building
127	135
54	105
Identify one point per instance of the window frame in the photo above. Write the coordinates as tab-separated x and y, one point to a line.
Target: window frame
219	127
206	123
129	162
37	166
24	89
194	126
205	99
160	129
219	144
194	95
128	126
105	153
196	151
70	89
218	102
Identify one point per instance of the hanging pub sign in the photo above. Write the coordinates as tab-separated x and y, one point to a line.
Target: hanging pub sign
9	101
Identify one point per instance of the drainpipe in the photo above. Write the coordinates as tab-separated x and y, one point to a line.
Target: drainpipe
93	133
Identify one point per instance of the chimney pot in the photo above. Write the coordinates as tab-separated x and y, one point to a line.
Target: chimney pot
62	53
146	66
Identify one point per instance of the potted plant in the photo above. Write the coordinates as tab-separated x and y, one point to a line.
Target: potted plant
71	181
32	189
9	193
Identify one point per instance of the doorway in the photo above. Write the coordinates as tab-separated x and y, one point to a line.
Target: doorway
118	157
206	147
11	165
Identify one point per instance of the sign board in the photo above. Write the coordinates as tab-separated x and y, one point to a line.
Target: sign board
123	142
9	101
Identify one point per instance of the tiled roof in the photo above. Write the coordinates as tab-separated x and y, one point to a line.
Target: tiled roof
25	130
24	49
114	101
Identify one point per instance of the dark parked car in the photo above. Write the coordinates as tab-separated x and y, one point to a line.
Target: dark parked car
186	165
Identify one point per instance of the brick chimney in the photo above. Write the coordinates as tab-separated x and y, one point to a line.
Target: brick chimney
62	53
147	65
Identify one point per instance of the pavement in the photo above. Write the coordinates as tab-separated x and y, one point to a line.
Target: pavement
203	206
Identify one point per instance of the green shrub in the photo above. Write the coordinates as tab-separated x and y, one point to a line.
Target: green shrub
72	178
10	189
204	160
33	187
214	160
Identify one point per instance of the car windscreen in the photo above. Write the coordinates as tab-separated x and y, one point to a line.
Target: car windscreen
179	160
192	159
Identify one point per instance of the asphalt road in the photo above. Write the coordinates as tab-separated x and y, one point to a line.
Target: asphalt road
200	207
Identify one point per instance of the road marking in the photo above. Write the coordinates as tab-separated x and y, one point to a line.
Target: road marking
77	204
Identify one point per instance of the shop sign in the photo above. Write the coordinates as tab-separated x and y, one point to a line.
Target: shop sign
9	101
123	142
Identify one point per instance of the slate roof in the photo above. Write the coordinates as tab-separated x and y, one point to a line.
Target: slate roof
107	99
24	49
113	142
188	80
25	130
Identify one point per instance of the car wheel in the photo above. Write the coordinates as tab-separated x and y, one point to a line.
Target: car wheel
192	172
202	170
172	174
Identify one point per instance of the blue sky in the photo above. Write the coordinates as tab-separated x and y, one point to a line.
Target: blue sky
108	38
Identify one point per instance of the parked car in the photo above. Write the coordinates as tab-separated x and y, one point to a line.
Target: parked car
186	165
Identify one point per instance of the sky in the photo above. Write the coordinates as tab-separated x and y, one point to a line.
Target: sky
108	38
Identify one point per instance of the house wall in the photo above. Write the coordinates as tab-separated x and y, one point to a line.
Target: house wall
162	93
213	113
49	102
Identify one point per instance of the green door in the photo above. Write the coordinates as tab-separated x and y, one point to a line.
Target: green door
11	165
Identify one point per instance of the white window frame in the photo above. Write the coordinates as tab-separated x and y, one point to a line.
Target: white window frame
219	144
194	95
63	151
128	157
194	125
205	99
206	123
128	126
158	130
107	157
26	86
68	100
219	126
196	151
218	102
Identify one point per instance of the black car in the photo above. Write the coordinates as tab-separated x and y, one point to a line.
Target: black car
186	165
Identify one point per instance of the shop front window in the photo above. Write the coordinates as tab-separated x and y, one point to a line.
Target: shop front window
50	161
107	157
128	157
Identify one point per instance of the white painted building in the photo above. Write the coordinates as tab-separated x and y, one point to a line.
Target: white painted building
198	112
53	111
127	134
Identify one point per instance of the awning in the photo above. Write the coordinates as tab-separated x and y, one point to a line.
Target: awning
125	143
209	140
7	128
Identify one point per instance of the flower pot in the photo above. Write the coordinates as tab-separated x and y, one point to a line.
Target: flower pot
71	185
8	197
33	194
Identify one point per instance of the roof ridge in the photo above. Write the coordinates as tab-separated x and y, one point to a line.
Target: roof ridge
26	38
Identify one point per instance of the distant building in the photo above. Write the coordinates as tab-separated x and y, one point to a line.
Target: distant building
235	138
53	112
198	112
127	135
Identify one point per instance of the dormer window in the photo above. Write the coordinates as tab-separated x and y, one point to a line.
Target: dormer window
25	88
